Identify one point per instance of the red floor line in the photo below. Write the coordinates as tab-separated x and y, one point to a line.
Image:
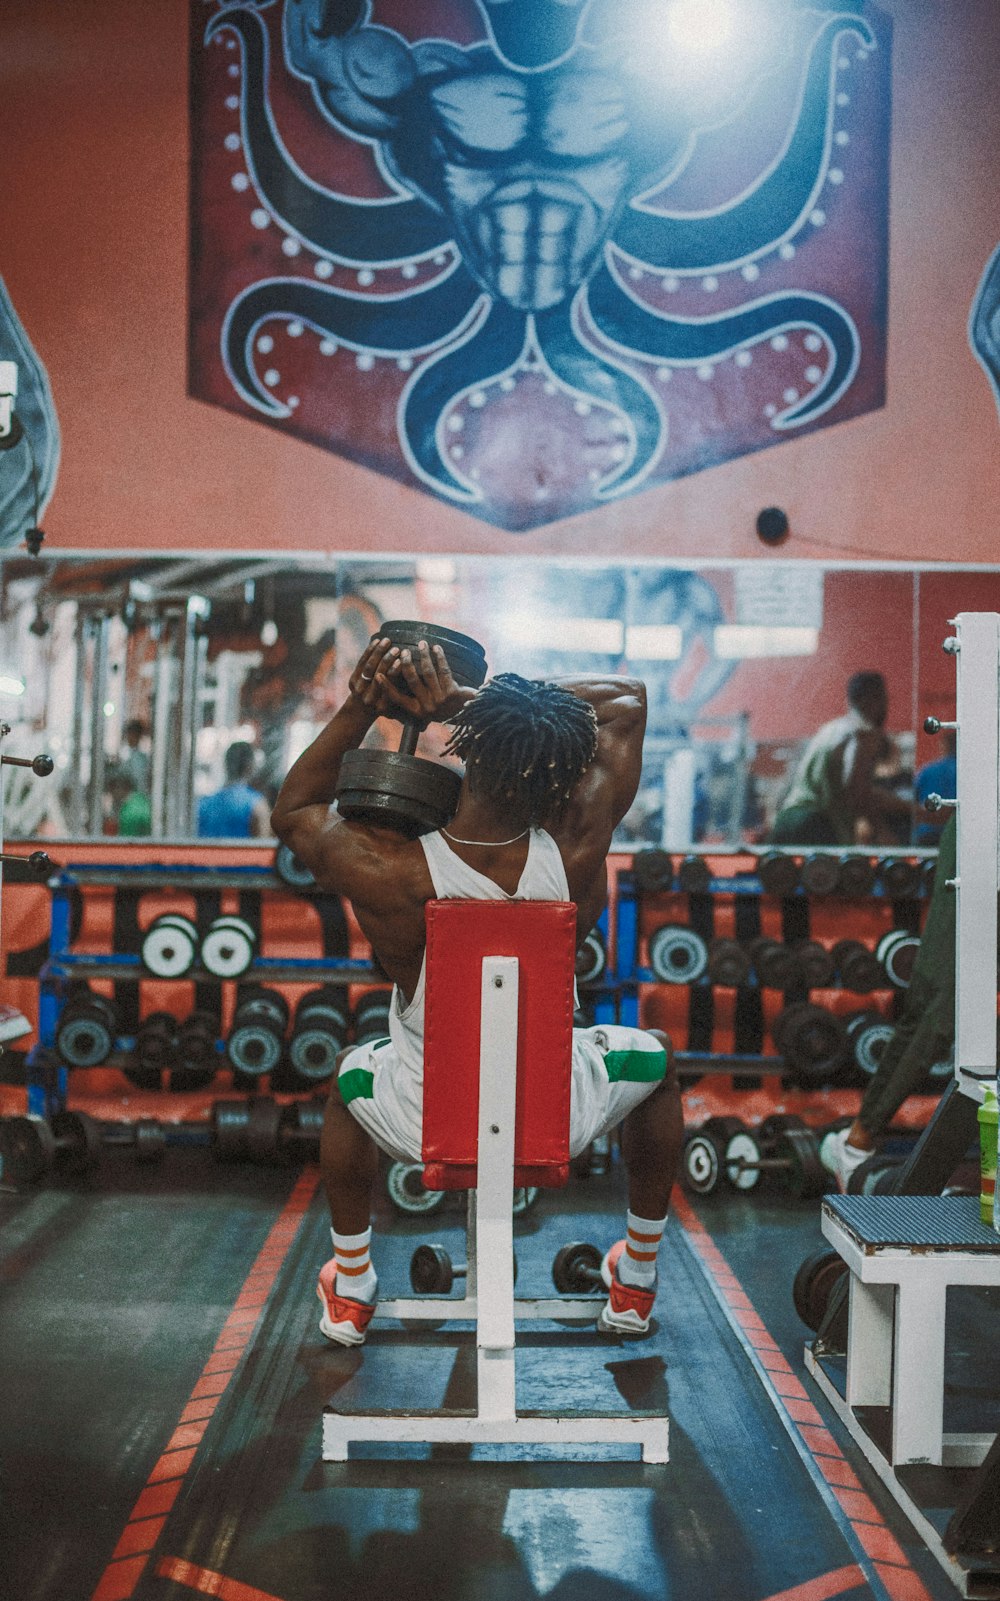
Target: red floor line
129	1562
887	1556
840	1582
209	1583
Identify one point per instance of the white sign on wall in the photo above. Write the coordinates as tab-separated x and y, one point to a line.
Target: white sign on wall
779	595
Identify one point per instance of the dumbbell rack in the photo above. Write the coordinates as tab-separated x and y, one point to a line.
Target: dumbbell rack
47	1087
629	974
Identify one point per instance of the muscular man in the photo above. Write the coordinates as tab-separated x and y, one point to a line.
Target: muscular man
834	787
550	769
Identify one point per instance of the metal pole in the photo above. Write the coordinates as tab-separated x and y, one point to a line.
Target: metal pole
76	748
98	695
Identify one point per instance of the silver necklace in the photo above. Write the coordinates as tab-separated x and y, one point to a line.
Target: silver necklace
456	841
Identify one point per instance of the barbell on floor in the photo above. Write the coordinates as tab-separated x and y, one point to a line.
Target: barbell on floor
432	1271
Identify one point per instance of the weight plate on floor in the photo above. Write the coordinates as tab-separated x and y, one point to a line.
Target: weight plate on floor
27	1149
701	1163
806	1176
740	1148
814	1284
574	1268
404	1183
431	1271
229	1121
78	1140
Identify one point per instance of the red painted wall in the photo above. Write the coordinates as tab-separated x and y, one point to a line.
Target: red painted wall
93	126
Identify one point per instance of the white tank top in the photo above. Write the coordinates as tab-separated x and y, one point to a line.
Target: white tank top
543	879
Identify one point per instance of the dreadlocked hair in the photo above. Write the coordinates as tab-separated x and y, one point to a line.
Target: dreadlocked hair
525	741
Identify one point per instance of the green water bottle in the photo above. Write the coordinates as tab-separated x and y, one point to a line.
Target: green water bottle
988	1116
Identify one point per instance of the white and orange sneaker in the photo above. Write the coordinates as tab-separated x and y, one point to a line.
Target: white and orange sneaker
344	1321
13	1023
629	1306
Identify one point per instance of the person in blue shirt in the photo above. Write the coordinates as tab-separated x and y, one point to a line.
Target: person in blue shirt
237	810
937	778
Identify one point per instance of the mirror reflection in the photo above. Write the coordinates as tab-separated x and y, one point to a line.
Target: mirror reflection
173	694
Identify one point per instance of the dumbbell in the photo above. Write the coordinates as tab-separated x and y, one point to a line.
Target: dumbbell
169	945
257	1036
778	873
87	1026
816	964
228	948
868	1033
260	1130
900	877
291	871
72	1141
677	954
319	1033
728	963
407	1192
398	789
775	964
371	1016
820	874
576	1269
723	1147
694	875
591	958
855	876
812	1041
432	1271
789	1149
814	1283
653	871
197	1056
155	1051
859	968
897	951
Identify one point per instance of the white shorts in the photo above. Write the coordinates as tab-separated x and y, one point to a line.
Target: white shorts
614	1070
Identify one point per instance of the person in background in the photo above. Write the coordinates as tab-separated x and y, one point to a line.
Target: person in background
127	810
834	790
924	1034
237	810
133	761
937	778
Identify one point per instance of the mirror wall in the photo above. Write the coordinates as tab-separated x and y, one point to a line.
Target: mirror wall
138	675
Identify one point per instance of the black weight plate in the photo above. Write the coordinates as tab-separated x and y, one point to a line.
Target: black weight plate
591	959
820	874
813	1284
144	1078
874	1176
576	1268
229	1121
728	963
78	1140
653	871
313	1053
149	1140
856	876
776	965
466	656
778	873
815	963
263	1129
814	1044
900	877
431	1271
694	875
405	793
524	1199
405	1187
806	1177
27	1149
771	1128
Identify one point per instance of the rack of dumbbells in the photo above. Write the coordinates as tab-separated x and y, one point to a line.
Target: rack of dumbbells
92	1013
753	973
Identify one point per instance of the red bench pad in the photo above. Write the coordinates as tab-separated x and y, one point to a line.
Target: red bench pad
460	933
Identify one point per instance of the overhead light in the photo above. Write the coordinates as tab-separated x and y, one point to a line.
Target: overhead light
654	642
269	633
735	641
700	25
11	684
109	708
589	636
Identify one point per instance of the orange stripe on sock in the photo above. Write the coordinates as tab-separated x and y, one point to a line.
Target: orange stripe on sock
351	1272
339	1251
645	1239
639	1256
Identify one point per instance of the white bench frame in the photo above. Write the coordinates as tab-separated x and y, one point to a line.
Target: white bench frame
489	1295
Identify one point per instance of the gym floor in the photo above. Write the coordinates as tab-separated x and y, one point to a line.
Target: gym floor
164	1381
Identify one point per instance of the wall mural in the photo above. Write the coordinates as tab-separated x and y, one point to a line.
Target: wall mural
532	255
984	323
29	430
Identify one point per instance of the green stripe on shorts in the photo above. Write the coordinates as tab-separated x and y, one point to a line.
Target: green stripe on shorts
636	1067
357	1081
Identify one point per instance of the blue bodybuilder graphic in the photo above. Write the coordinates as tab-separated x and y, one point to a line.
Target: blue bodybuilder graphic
520	167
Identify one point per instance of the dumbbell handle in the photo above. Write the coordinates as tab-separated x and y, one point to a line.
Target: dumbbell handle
934	725
41	766
779	1163
409	738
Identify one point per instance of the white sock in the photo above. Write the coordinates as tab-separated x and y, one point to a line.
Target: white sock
637	1263
356	1277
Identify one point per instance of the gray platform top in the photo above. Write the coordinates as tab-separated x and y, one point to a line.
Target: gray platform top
944	1222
